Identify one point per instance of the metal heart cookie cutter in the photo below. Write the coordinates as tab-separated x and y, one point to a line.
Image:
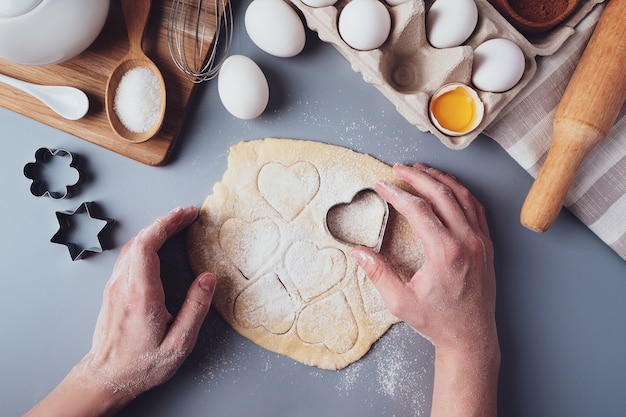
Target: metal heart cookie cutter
371	212
77	229
50	174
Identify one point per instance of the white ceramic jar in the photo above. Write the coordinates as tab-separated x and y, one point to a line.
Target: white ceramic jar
40	32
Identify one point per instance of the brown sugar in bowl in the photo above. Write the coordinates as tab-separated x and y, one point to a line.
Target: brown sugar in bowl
533	17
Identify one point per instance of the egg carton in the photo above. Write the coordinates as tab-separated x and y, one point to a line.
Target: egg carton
407	70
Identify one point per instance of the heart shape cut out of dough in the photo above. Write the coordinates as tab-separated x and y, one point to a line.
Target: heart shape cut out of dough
249	245
266	302
360	222
288	189
331	322
314	270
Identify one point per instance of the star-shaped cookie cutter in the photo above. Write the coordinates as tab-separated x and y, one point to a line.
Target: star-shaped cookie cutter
68	225
35	171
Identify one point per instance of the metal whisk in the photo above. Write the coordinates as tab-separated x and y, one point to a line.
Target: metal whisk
199	34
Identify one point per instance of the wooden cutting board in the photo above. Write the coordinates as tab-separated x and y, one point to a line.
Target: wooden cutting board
90	70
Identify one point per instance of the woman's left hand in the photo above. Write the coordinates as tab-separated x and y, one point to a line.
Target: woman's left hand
137	344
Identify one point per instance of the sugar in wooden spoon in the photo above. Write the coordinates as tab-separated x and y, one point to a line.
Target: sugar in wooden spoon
135	93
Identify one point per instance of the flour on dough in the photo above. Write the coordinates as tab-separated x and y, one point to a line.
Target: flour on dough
277	231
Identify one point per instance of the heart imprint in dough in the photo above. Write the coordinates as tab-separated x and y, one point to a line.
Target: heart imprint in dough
266	302
360	222
314	270
249	245
288	189
315	325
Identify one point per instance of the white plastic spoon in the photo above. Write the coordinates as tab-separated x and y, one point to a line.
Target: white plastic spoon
69	102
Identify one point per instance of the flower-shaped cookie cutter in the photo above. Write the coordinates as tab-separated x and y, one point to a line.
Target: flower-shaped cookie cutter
40	175
73	226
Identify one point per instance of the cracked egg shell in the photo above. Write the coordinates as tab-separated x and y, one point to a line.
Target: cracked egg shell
456	109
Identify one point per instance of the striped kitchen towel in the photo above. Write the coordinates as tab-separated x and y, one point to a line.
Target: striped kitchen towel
524	129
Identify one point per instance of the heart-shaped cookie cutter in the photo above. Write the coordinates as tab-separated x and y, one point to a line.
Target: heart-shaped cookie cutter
340	235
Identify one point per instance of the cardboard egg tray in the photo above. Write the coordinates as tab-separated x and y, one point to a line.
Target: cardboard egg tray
408	70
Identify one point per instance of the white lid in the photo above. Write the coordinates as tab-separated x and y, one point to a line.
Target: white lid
14	8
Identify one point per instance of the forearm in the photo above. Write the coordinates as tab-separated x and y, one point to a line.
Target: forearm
79	396
466	385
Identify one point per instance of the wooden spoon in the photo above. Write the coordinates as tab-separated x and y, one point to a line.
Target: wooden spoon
136	17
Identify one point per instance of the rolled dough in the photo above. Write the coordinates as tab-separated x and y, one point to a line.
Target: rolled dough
284	280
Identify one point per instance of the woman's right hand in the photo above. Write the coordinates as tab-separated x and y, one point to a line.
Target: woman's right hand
451	299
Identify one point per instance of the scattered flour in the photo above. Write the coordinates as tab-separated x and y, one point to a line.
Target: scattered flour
352	127
402	371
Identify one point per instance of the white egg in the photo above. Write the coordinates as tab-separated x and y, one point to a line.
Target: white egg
364	24
275	27
499	65
396	2
319	3
242	87
450	23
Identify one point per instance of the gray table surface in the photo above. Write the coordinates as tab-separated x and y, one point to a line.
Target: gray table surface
561	294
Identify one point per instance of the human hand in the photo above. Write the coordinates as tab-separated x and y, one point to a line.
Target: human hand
451	298
137	343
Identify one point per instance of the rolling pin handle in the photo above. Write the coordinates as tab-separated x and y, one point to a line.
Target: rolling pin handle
584	116
572	142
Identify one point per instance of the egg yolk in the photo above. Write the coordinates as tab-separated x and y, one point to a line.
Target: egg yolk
455	110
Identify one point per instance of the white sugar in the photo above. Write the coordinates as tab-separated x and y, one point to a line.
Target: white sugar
138	99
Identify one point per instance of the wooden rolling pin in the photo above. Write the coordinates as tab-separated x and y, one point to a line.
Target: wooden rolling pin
585	115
